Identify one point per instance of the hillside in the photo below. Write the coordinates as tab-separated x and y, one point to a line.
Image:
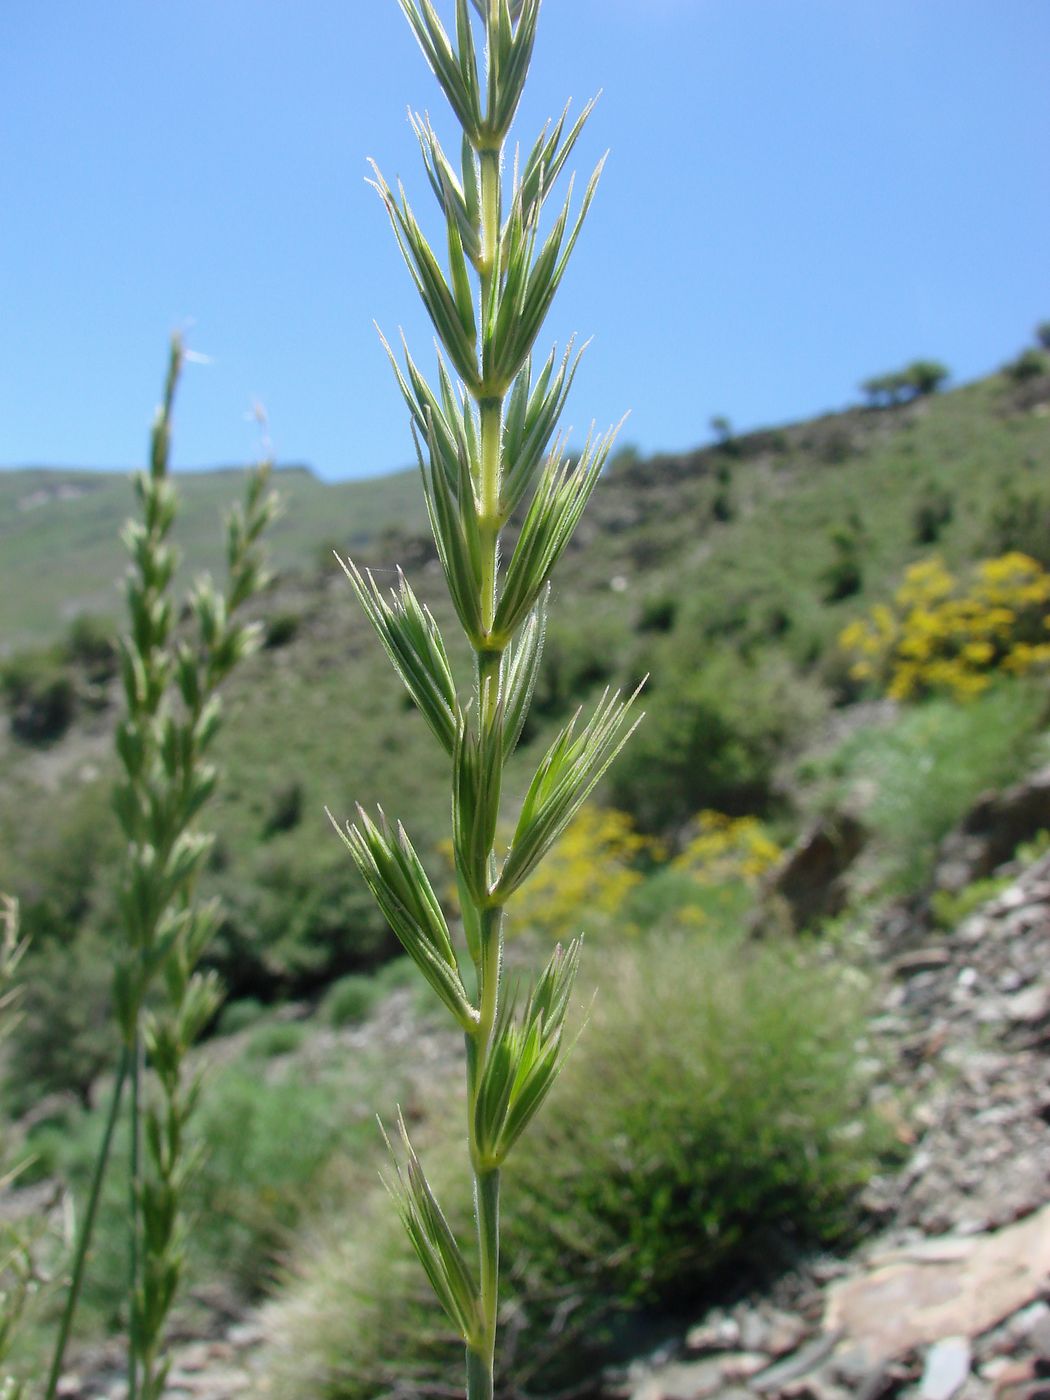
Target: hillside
61	530
770	791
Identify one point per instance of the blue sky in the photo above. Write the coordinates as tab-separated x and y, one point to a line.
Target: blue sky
799	193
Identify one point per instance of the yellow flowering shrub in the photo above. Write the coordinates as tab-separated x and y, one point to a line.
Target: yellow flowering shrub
726	850
603	870
946	635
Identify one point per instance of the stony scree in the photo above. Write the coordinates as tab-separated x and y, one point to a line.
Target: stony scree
950	1299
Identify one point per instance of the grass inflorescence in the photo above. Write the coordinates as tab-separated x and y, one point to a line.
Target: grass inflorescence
486	438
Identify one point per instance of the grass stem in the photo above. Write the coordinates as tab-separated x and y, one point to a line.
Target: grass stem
87	1228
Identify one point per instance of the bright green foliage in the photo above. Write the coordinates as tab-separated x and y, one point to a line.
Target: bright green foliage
919	776
711	740
486	445
950	908
710	1122
350	1000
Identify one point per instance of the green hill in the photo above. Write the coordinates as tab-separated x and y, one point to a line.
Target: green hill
60	552
724	575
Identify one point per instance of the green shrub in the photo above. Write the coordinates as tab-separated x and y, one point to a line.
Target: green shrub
918	777
276	1038
1030	364
91	645
1020	521
919	378
283	627
40	697
843	577
576	659
65	1037
351	1000
658	613
710	1122
239	1015
711	739
265	1146
286	808
950	908
926	376
294	920
932	513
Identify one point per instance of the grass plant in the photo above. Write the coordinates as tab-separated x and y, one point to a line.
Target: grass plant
161	1000
712	1122
485	437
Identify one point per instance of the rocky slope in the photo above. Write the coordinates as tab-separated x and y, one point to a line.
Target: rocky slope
949	1296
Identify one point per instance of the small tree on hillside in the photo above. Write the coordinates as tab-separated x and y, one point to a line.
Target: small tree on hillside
919	378
925	376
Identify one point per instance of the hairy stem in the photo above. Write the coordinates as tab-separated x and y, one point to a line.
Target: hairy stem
481	1363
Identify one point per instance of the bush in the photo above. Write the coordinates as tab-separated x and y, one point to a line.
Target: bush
658	614
65	1038
276	1038
265	1147
40	697
711	739
351	1000
843	577
916	780
286	808
1020	523
91	645
237	1016
1030	364
926	376
283	627
293	922
933	512
942	636
575	660
919	378
710	1121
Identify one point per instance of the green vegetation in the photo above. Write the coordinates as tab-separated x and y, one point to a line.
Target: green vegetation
918	379
62	529
740	648
709	1122
161	999
916	778
486	452
693	574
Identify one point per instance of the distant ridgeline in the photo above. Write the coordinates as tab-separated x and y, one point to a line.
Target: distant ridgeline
60	528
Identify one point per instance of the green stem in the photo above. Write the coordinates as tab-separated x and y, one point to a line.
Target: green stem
479	1377
88	1227
481	1363
134	1173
